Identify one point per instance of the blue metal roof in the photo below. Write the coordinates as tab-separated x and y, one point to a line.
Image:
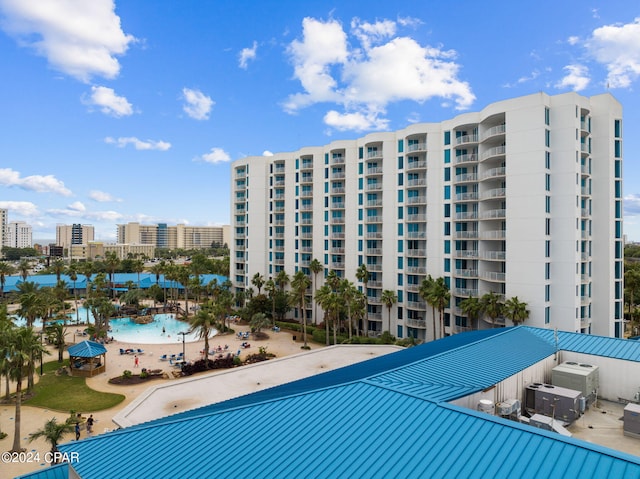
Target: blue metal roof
86	349
145	280
59	471
354	430
469	368
386	417
615	348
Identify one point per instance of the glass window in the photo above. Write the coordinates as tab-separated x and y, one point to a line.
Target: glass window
447	137
400	146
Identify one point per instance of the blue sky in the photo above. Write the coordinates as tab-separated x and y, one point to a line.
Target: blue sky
118	111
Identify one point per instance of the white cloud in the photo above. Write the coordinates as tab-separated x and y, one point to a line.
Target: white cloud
102	197
357	121
108	102
632	205
216	155
577	78
75	211
21	208
79	38
77	206
198	105
617	47
573	40
267	153
38	183
364	80
247	54
138	144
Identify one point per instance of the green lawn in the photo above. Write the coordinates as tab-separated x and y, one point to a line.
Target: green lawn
64	393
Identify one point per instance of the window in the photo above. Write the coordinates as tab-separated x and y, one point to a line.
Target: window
400	179
400	146
547	160
617	128
547	249
447	174
447	156
546	116
547	138
547	182
547	271
447	192
547	204
547	226
447	137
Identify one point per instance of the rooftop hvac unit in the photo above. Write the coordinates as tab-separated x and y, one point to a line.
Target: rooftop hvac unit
559	403
631	418
510	408
486	405
577	376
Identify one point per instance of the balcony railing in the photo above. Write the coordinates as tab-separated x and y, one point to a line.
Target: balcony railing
494	276
466	253
417	182
495	151
465	159
415	165
469	196
374	171
494	193
416	305
461	140
465	292
492	235
414	200
466	177
466	273
467	215
495	130
416	253
416	147
494	173
417	217
494	214
416	323
494	255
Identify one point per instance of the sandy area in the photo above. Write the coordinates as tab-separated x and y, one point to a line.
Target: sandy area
281	344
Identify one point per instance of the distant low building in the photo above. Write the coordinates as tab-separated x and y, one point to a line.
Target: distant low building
93	250
179	236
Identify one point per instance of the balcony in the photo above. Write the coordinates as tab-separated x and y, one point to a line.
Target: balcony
585	191
337	175
336	265
417	217
466	254
374	219
305	207
413	288
306	165
336	235
493	152
466	178
465	292
370	234
473	158
306	179
466	273
493	235
494	173
467	215
241	174
337	159
466	139
416	253
416	270
337	205
417	182
494	255
336	250
416	323
374	251
373	154
494	276
338	220
373	187
374	171
416	234
469	196
494	193
337	190
420	305
415	165
416	200
374	267
306	194
498	213
416	147
374	202
494	131
465	234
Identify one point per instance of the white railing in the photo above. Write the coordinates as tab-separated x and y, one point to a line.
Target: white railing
465	177
493	214
412	165
494	276
416	147
495	130
494	193
495	151
494	255
494	172
460	140
465	159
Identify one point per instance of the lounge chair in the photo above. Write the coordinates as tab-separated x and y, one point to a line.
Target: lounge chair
140	351
164	357
122	351
172	357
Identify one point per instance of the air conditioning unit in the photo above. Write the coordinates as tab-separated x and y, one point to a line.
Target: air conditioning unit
560	403
581	377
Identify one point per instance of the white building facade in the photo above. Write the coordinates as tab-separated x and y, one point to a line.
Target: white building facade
67	235
19	235
523	198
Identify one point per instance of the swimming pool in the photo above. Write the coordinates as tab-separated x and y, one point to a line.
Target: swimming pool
126	331
163	329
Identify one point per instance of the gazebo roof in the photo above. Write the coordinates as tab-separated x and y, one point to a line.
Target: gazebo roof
86	349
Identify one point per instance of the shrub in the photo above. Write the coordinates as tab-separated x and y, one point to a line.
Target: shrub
144	375
126	374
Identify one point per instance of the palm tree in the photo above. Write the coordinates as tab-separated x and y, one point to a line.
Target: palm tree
258	281
315	267
112	263
299	285
259	321
492	306
349	293
270	287
441	297
389	298
57	331
362	274
516	310
23	267
53	433
87	269
282	279
5	270
331	302
182	276
472	307
24	344
57	268
138	267
203	324
72	272
426	287
32	304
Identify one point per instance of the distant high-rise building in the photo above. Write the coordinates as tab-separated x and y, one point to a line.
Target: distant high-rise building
521	199
171	237
18	235
3	226
75	234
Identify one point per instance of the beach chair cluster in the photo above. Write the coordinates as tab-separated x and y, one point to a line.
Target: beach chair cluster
131	351
171	357
245	345
241	335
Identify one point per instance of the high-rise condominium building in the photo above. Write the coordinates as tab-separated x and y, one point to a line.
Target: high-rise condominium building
522	199
172	237
18	235
75	234
3	226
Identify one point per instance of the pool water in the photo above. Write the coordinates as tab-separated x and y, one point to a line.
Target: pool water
163	329
126	331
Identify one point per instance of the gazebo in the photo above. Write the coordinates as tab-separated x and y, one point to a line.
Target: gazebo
87	358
